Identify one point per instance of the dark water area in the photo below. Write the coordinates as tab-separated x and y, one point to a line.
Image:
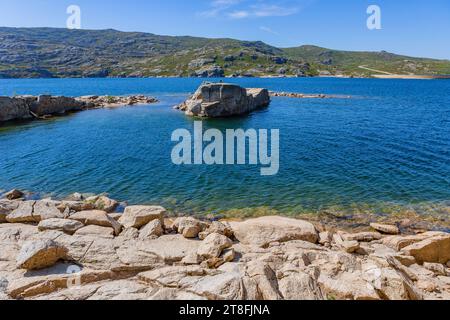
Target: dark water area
384	151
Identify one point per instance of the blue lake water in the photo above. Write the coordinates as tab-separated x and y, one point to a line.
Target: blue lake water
386	147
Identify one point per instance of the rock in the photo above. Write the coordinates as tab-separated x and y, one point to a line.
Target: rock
93	230
265	280
130	233
6	207
209	72
224	100
229	255
49	105
14	194
64	225
216	227
262	231
97	218
76	206
116	216
399	242
347	286
325	238
386	229
191	259
300	287
350	246
435	250
106	204
75	197
213	246
139	216
437	268
34	212
362	236
189	227
23	213
152	229
44	210
200	62
12	108
40	254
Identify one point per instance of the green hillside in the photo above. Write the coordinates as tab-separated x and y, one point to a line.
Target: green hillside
50	52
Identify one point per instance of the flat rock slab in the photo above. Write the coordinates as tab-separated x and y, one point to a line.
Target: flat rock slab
92	230
263	231
65	225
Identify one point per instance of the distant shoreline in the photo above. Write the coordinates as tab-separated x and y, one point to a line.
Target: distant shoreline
378	77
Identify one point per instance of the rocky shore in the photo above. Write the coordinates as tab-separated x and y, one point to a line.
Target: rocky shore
81	248
304	95
46	106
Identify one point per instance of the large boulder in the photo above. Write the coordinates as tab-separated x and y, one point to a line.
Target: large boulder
47	105
139	216
12	108
263	231
214	100
40	254
97	218
434	250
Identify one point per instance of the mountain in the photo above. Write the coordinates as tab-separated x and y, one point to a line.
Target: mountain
51	52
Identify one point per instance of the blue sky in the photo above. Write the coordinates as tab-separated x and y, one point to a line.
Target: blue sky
413	27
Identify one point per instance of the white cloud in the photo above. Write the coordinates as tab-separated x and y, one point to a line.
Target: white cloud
248	9
273	11
239	14
268	30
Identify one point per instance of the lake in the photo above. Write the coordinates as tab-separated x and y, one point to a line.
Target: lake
383	151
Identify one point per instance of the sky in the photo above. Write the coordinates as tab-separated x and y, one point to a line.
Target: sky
415	27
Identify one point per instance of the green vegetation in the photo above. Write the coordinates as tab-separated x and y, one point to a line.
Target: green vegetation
50	52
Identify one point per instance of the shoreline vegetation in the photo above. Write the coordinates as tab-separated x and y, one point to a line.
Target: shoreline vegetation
141	252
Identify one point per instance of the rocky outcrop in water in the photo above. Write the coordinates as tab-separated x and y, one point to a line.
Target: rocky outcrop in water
147	255
213	100
44	106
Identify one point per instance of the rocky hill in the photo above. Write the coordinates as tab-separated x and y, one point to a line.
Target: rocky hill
50	52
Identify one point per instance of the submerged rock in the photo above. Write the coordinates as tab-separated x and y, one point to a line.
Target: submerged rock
14	194
214	100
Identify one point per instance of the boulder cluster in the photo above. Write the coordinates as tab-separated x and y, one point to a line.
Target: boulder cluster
82	249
